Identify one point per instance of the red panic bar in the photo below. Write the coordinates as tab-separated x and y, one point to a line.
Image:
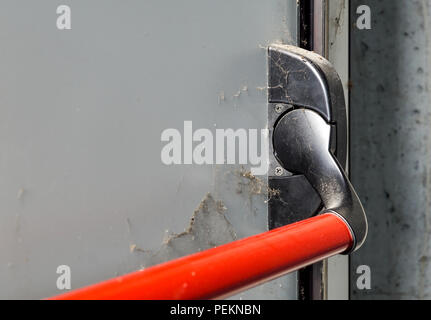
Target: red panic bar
230	268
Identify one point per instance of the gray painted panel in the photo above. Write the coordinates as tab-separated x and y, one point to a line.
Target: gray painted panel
81	114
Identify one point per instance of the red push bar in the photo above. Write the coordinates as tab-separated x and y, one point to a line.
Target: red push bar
230	268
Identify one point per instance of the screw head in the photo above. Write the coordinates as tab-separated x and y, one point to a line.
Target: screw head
279	171
279	108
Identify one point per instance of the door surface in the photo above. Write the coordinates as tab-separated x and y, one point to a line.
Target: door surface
82	113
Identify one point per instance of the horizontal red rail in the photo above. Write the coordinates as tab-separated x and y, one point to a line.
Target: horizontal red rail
225	270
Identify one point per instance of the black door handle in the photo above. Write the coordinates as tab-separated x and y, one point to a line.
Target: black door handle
309	140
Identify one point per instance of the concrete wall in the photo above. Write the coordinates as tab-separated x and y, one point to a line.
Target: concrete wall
391	146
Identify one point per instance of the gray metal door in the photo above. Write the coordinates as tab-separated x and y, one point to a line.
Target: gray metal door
82	113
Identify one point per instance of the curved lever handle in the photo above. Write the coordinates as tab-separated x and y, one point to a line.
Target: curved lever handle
302	145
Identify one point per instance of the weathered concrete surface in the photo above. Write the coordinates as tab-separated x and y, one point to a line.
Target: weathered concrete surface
390	147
